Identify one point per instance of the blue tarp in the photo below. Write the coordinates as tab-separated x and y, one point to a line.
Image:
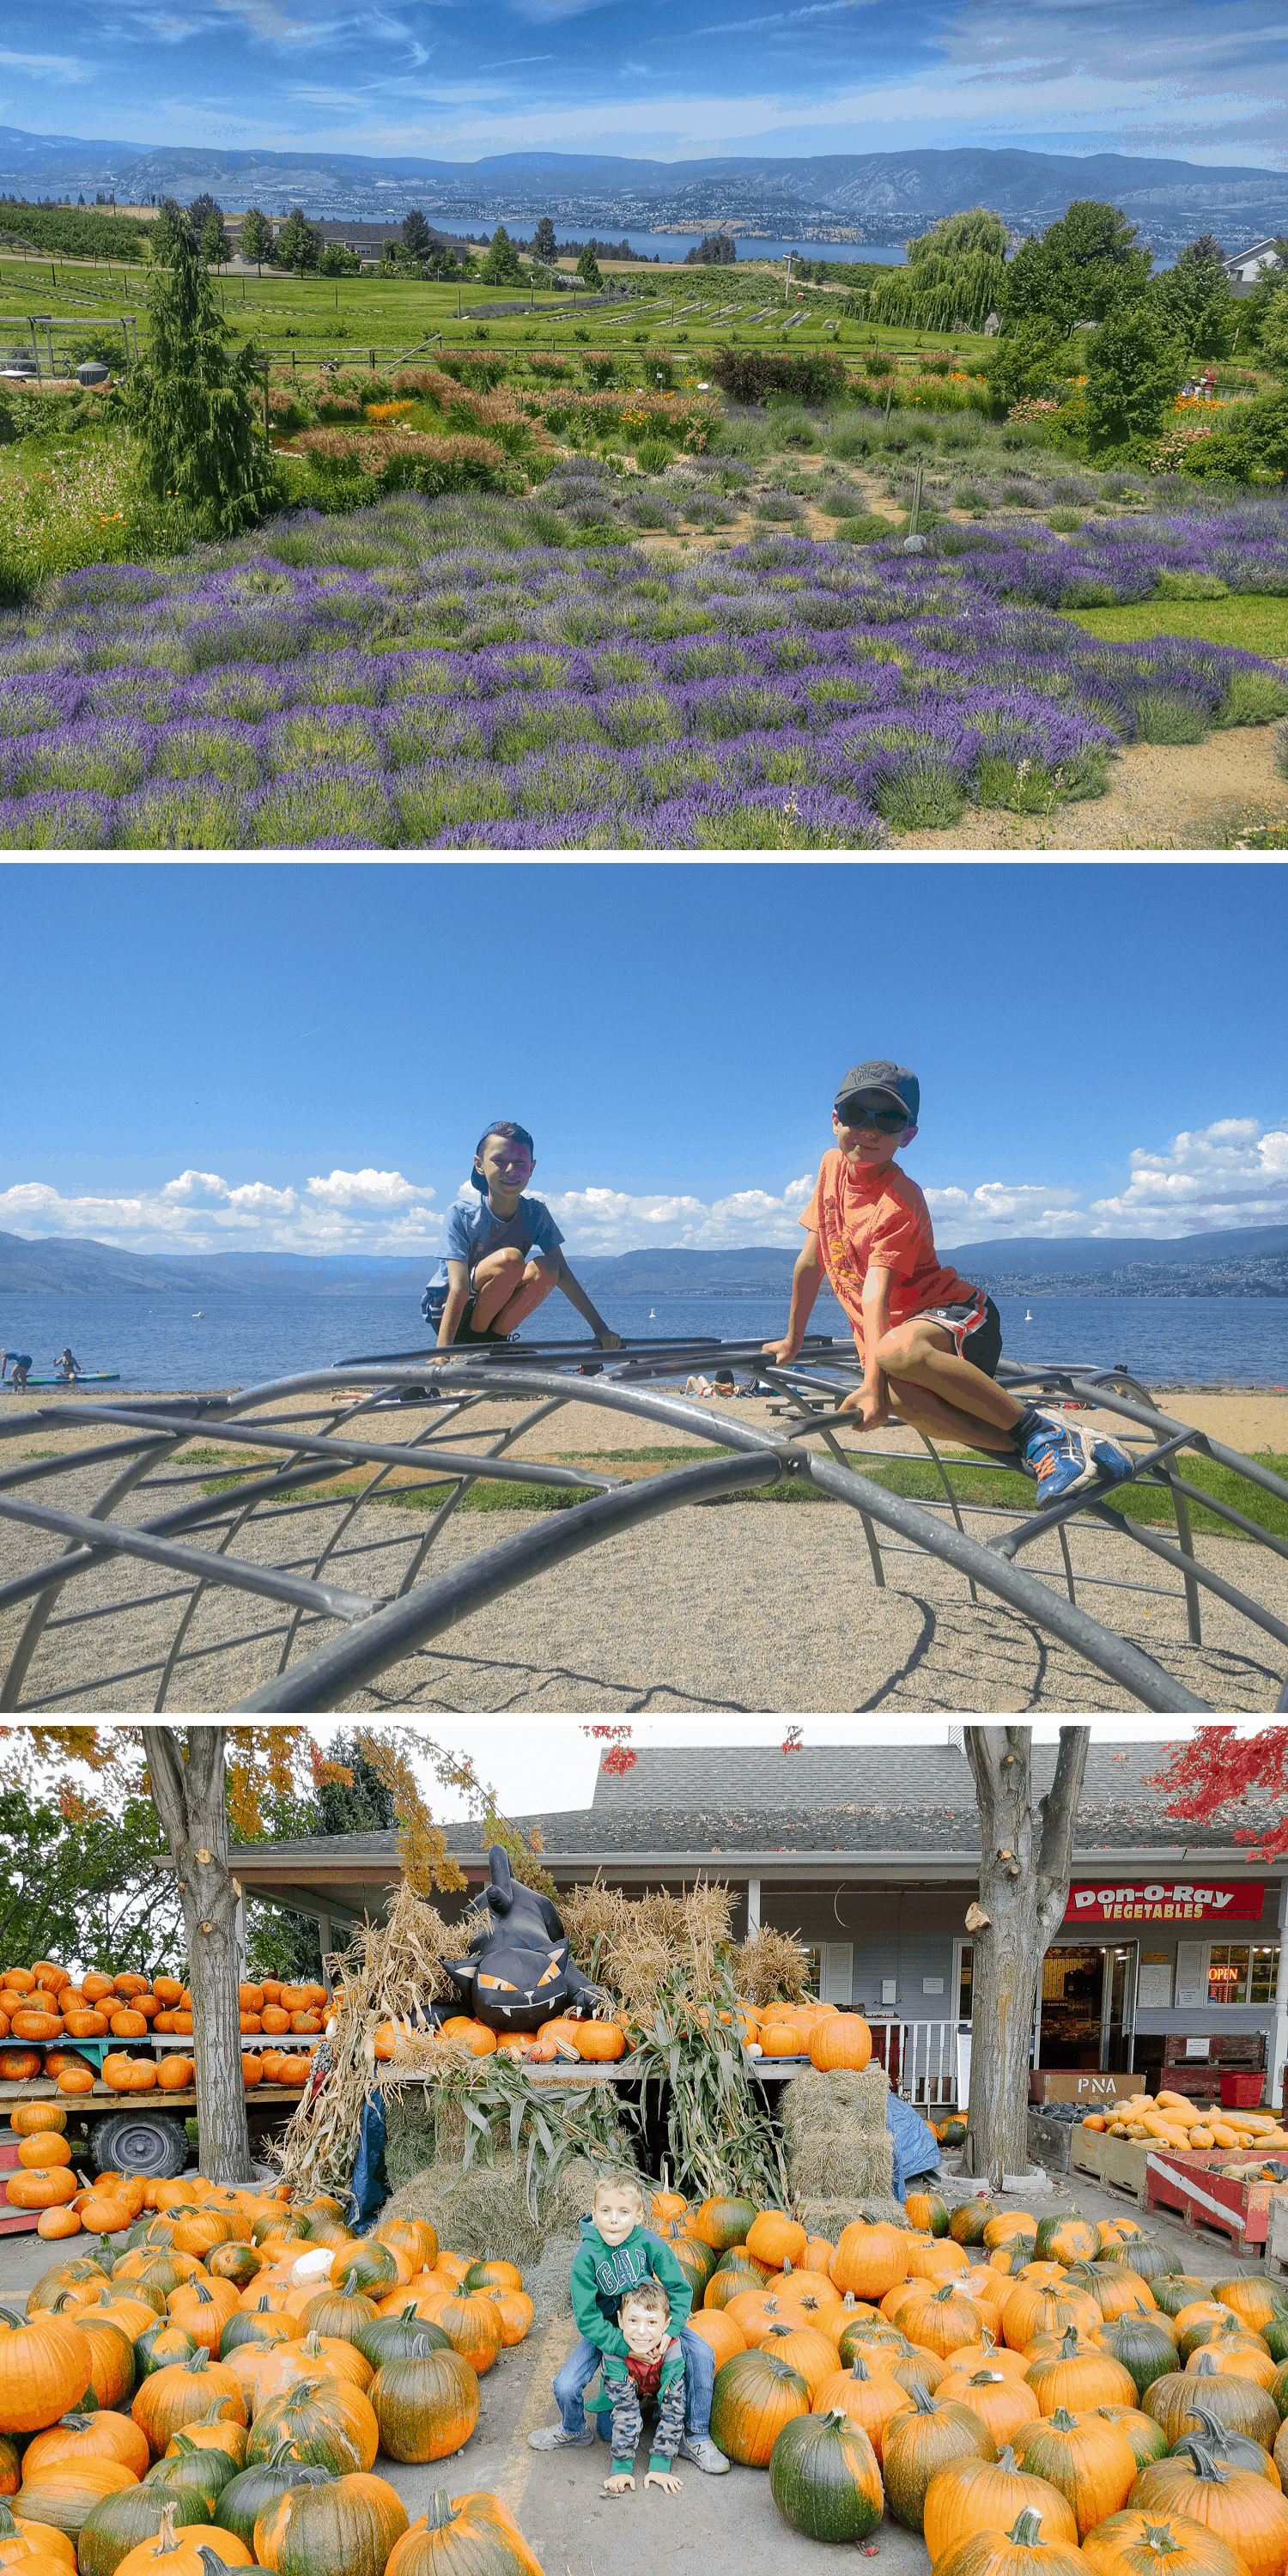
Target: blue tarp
369	2188
916	2148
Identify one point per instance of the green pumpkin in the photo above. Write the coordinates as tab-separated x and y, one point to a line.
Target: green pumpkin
382	2339
916	2445
1146	2350
1229	2450
1149	2262
328	2424
698	2262
1176	2290
426	2403
728	2221
250	2492
824	2478
258	2325
967	2224
124	2521
753	2398
193	2470
161	2344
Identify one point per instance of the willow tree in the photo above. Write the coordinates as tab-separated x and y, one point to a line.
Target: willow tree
1026	1850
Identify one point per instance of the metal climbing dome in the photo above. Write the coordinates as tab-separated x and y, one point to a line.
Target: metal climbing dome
242	1556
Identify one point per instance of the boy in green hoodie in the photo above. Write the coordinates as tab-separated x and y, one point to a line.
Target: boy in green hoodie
617	2253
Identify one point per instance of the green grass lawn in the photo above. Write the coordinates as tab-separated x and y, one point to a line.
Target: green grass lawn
1255	624
971	1483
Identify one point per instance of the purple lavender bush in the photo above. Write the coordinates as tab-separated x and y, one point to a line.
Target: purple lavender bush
424	674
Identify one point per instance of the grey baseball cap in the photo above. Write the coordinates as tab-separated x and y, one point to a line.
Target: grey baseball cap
900	1087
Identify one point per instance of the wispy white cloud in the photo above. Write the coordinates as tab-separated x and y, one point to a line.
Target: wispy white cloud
1233	1173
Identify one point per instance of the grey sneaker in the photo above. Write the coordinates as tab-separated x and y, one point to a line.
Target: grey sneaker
700	2448
552	2437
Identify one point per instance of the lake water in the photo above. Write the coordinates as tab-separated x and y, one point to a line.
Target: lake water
673	246
241	1340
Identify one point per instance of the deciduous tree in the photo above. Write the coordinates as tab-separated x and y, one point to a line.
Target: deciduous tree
1026	1848
297	243
1077	270
256	237
1217	1769
1135	370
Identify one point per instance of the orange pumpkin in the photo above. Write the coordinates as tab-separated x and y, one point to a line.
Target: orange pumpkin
716	2328
41	2190
840	2039
27	2119
870	2261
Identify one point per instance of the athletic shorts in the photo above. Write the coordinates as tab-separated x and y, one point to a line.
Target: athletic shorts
976	1330
465	1329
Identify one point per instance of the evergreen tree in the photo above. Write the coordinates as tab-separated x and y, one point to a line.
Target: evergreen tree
416	234
297	243
544	245
214	241
364	1805
502	266
256	237
191	405
171	227
588	269
201	210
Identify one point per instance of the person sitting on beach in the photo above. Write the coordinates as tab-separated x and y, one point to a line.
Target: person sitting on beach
619	2253
19	1362
66	1365
503	1252
654	2367
930	1342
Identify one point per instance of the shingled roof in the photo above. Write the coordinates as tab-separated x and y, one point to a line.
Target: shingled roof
882	1801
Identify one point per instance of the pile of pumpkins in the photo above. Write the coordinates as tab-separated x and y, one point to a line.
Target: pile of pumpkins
828	2037
1169	2120
1035	2396
227	2374
43	2005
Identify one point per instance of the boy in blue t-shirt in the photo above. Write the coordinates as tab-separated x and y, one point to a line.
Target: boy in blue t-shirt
503	1253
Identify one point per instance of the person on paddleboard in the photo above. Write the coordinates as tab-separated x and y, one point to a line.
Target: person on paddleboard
67	1366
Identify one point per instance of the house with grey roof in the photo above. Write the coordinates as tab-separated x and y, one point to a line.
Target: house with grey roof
1244	267
869	1855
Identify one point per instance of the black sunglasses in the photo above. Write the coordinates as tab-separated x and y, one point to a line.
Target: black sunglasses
854	1113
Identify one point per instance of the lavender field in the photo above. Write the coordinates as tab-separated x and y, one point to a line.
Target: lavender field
456	673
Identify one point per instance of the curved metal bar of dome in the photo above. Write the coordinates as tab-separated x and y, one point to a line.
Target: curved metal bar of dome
343	1664
610	1380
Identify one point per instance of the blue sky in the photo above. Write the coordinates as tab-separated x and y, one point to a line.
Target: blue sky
1199	79
301	1056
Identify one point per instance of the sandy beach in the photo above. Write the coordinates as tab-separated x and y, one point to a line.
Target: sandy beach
733	1606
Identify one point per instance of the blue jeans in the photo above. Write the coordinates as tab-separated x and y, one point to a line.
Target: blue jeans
574	2379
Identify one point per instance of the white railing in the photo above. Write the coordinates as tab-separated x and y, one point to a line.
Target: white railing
922	2058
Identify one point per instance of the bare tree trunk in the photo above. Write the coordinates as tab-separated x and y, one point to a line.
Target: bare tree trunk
1023	1892
186	1772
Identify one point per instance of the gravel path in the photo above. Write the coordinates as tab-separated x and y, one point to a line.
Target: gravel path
731	1607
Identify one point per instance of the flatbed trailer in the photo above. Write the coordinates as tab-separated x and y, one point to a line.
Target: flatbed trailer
135	2133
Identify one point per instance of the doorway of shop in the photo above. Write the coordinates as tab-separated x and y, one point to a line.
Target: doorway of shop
1087	2016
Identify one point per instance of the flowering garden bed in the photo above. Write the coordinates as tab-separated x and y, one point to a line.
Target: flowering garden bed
424	673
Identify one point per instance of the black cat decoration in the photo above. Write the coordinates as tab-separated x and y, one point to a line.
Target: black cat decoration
519	1972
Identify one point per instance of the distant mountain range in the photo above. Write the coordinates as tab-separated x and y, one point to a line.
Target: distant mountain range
1244	1261
878	197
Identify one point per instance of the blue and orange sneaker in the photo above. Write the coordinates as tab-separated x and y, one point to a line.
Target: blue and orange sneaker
1066	1461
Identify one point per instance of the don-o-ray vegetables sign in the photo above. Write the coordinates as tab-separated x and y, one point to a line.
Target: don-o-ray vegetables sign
1158	1900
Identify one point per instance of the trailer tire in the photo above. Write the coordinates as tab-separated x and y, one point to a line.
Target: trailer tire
154	2143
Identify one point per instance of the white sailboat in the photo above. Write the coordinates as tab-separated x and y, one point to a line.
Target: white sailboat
1029	1317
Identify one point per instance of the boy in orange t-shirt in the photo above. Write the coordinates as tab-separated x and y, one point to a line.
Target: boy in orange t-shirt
930	1341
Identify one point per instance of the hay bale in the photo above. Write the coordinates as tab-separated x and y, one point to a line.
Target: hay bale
828	2217
840	2164
841	2100
484	2210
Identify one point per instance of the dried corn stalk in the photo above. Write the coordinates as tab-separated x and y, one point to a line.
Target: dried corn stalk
769	1965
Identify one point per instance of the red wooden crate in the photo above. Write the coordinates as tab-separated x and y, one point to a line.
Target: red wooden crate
1191	2183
